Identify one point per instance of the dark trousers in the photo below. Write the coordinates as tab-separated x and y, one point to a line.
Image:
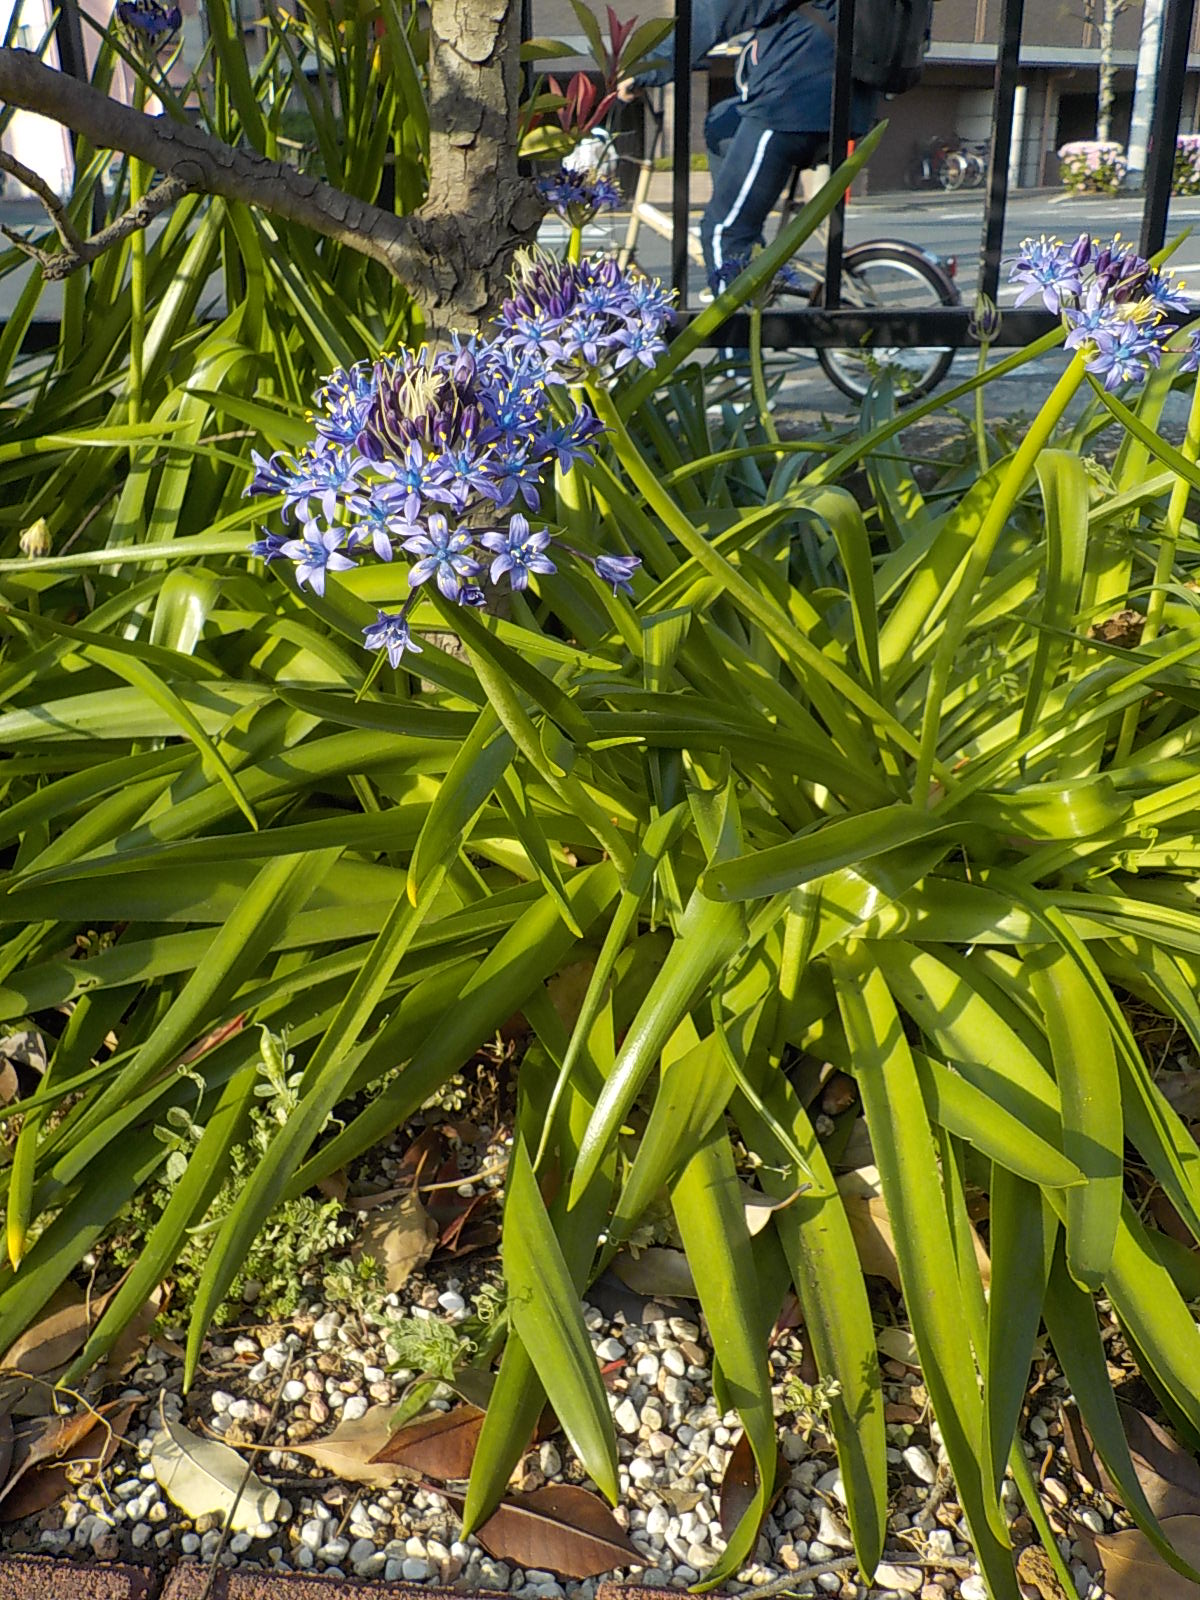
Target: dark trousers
751	167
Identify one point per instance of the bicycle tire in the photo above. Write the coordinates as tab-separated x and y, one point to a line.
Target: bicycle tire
952	169
916	371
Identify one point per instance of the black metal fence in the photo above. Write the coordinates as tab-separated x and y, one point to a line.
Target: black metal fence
831	323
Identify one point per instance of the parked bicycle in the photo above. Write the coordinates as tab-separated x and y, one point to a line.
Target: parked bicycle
942	164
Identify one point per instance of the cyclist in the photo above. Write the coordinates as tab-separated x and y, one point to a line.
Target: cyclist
779	119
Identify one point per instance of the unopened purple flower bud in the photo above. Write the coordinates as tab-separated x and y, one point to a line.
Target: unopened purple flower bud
1081	251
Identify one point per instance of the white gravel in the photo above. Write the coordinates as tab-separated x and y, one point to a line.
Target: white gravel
673	1447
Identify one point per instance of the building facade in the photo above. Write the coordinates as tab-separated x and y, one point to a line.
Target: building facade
1056	99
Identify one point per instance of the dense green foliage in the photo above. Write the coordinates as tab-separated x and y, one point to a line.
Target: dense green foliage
850	781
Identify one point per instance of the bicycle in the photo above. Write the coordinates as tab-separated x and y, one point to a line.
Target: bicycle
940	164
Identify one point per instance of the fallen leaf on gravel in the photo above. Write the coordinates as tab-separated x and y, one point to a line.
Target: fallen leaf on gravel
59	1333
867	1213
739	1484
202	1477
1036	1571
351	1450
1169	1474
899	1345
1134	1570
401	1238
440	1445
679	1500
30	1491
657	1271
47	1439
558	1529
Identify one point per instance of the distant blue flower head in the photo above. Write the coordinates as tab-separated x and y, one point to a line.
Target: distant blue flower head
519	552
391	633
579	196
149	20
317	553
572	315
1119	310
1191	359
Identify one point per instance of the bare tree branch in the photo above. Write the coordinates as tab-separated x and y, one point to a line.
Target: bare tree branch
77	252
416	250
57	211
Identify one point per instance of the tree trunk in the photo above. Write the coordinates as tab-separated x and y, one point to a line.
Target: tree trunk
1108	72
453	254
479	209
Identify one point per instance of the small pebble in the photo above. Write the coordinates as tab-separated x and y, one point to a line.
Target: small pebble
610	1350
356	1406
973	1588
1092	1519
920	1463
905	1580
415	1570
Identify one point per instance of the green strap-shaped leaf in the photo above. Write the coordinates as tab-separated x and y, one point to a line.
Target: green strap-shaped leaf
207	1170
485	753
958	1106
234	952
1070	1314
711	1216
824	849
1021	1236
911	1184
823	1260
693	1093
709	936
1064	485
545	1309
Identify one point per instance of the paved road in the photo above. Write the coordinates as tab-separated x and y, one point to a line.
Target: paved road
948	224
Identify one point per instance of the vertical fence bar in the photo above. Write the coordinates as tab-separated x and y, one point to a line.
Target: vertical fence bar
839	139
68	36
1008	62
1168	101
681	154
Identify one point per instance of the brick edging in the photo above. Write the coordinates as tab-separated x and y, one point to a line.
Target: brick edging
52	1578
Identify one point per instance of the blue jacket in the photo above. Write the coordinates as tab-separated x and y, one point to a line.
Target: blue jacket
786	74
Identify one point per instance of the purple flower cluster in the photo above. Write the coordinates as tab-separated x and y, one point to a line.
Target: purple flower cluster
1119	311
579	319
579	196
429	455
149	21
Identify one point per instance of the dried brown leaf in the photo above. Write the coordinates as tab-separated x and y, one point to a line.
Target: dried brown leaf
59	1333
351	1450
1169	1474
400	1237
867	1213
9	1086
657	1271
42	1446
740	1484
1134	1570
559	1529
439	1445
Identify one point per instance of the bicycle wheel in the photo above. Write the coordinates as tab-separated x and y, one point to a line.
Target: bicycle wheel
890	276
952	169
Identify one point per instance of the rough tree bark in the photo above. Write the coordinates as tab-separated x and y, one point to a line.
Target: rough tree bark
478	206
452	255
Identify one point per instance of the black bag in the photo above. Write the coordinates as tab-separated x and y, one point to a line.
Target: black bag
890	41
